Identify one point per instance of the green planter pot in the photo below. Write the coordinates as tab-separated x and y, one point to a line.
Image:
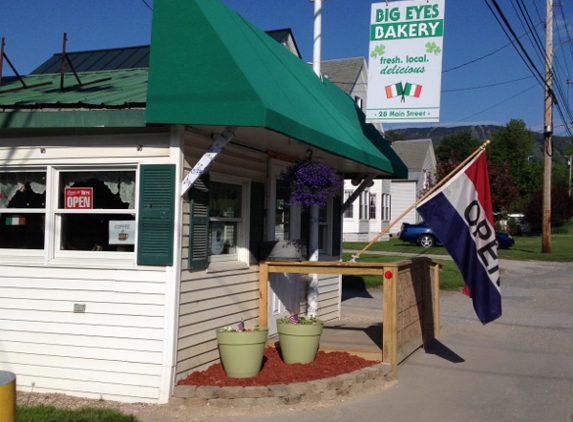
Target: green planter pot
242	352
299	342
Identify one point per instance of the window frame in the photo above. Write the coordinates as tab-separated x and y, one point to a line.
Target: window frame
20	252
54	252
243	222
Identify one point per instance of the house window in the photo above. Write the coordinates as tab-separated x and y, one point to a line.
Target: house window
363	206
96	210
225	204
367	206
349	213
372	210
386	210
22	209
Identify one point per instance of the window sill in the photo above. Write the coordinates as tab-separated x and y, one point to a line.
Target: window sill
219	267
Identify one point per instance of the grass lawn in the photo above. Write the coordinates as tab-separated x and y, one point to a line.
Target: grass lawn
52	414
525	248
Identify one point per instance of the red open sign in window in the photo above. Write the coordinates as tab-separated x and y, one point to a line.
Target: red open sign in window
79	198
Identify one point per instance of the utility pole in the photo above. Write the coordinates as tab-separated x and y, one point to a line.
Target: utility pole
570	163
547	131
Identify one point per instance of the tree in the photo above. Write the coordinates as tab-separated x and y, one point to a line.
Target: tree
514	143
503	187
457	146
561	208
393	135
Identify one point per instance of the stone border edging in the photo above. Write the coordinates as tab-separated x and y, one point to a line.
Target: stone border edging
284	394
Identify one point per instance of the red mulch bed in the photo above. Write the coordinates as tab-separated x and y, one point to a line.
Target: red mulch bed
275	371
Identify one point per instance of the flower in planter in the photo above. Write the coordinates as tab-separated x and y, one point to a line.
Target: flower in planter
240	328
296	319
310	183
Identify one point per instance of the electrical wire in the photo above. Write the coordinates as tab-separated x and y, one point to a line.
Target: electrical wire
486	86
148	6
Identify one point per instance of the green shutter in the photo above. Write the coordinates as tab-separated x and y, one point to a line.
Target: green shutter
156	214
199	224
257	226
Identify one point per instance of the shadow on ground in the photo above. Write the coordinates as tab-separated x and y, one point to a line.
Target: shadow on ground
354	286
441	350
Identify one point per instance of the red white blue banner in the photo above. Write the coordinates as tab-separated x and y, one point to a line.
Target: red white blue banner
460	214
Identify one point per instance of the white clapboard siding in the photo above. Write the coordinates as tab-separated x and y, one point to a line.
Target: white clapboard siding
403	196
124	392
209	301
112	350
92	341
80	363
83	149
82	329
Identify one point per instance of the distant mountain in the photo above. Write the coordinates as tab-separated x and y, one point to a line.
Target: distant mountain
484	132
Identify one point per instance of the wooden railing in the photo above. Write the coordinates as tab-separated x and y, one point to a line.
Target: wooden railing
410	311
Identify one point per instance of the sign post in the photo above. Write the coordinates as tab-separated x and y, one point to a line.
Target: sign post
405	64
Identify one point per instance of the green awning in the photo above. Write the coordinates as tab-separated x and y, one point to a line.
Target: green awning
209	66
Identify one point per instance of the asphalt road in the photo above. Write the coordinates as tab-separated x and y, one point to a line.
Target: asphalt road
518	368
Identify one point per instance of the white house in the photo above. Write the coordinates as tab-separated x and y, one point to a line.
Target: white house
419	157
116	273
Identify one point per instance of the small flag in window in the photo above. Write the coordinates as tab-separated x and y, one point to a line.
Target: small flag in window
293	319
15	220
241	326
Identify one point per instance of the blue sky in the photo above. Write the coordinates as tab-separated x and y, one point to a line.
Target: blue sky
484	80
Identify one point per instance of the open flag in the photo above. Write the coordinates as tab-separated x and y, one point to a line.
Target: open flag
460	214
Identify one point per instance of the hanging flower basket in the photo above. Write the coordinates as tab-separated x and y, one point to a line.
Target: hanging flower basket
310	183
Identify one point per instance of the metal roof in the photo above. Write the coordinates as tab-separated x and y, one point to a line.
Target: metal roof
112	89
120	58
109	59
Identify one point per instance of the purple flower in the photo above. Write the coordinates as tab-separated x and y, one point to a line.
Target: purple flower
310	183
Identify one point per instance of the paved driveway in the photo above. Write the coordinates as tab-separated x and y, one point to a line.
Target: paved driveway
519	368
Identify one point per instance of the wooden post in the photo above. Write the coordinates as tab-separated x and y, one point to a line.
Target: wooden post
263	293
389	331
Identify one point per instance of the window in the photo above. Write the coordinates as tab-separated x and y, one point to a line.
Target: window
65	212
367	206
372	210
386	210
96	210
22	209
349	213
218	229
225	206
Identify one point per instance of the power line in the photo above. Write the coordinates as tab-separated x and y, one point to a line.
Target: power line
482	57
148	6
486	86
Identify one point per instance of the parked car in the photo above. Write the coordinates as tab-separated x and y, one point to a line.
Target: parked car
423	235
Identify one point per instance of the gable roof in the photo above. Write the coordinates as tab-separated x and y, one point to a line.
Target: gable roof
413	153
211	67
344	73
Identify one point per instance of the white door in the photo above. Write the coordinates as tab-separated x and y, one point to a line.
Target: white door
283	224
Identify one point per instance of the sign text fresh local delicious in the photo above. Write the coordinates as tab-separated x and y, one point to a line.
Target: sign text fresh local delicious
405	64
